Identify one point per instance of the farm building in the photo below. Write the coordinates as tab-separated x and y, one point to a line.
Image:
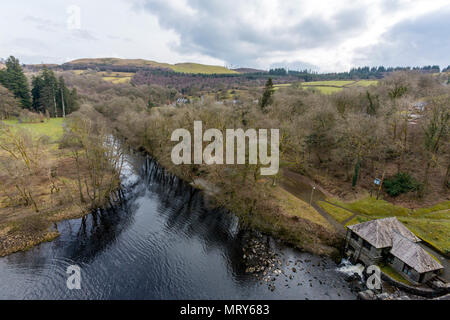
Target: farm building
389	241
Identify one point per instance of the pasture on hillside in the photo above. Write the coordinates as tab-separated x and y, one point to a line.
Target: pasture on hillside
330	86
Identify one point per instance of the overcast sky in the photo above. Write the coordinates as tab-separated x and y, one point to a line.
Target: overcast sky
321	35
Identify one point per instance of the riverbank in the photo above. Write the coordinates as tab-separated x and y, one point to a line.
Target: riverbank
259	204
44	183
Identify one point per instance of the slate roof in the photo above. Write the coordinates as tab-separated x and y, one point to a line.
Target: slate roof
379	233
413	255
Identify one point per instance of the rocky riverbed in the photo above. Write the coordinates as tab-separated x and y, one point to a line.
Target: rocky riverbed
268	267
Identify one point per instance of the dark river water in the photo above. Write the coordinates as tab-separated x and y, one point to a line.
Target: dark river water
161	243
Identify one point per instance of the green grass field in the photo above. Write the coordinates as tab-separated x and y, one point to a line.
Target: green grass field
337	83
281	85
78	72
52	128
324	90
364	83
116	80
200	68
332	86
340	215
113	77
371	207
358	219
435	232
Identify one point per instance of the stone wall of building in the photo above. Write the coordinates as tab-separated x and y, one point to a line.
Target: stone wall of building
398	265
368	257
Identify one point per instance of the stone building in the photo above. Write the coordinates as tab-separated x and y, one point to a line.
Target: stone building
389	241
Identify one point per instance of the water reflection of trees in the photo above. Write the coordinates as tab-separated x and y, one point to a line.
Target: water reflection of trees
186	213
182	207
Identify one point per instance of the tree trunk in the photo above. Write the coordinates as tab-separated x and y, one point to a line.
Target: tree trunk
447	176
63	106
54	102
356	173
427	172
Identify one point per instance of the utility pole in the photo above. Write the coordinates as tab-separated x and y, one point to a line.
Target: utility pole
381	184
312	194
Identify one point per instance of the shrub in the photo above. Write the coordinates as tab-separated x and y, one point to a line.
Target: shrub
30	117
45	139
400	183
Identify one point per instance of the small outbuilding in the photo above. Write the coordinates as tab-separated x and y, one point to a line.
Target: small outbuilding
389	241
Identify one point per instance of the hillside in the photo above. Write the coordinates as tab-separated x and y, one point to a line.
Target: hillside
141	63
248	70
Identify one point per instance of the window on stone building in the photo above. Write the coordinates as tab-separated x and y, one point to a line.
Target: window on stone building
390	258
406	269
366	245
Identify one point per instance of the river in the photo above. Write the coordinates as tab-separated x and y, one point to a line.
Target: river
162	243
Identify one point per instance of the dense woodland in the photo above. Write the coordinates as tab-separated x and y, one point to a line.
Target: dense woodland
358	127
15	80
48	95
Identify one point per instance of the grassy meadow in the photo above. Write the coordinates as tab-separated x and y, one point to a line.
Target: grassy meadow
330	86
117	77
113	77
200	68
364	83
339	214
53	128
336	83
323	89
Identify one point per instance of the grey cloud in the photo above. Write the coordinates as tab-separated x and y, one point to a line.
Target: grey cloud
42	24
81	34
216	30
52	26
30	44
113	37
423	41
316	31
